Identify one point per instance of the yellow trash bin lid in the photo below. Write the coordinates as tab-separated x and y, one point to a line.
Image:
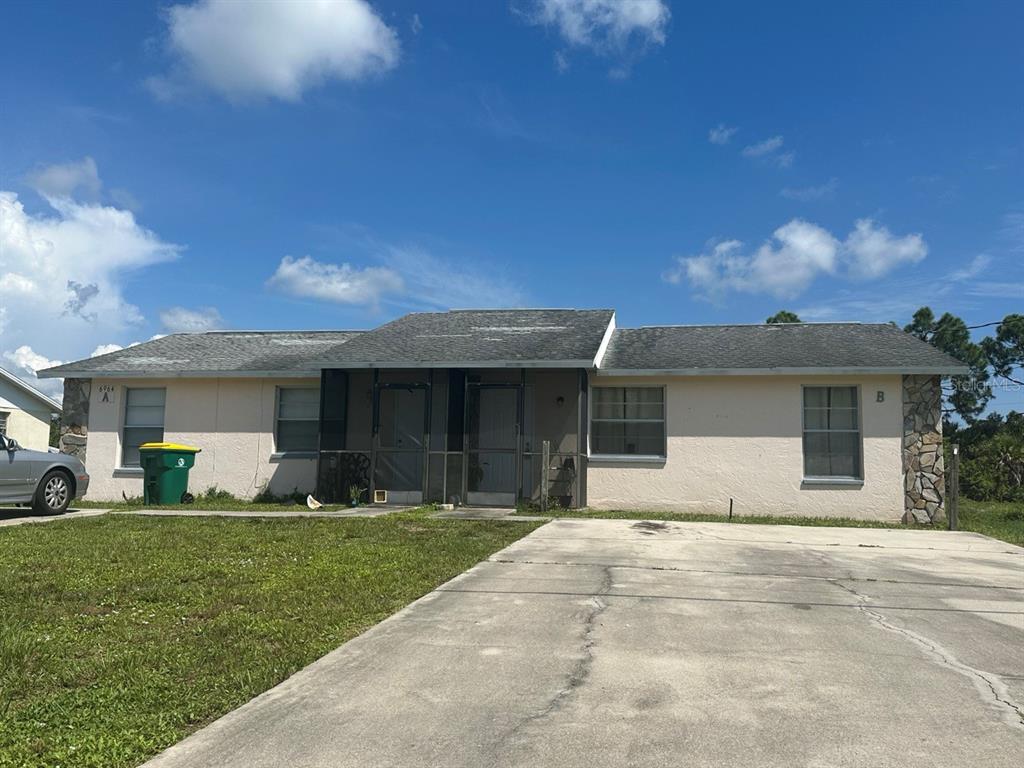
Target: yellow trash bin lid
169	447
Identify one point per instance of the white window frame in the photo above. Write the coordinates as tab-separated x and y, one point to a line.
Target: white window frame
626	457
4	420
295	452
832	479
126	425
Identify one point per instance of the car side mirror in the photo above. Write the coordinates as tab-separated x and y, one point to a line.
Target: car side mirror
12	444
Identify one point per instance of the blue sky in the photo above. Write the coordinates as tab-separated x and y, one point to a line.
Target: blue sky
172	167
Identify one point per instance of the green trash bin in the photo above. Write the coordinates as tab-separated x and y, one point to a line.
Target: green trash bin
165	469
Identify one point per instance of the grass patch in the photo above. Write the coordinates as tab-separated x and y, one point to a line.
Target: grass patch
1000	520
121	635
215	499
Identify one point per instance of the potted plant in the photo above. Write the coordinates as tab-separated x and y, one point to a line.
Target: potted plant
354	493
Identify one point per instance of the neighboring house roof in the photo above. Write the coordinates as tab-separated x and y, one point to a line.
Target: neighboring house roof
550	338
480	338
45	401
215	353
777	348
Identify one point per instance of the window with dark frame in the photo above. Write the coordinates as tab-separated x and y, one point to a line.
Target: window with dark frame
627	421
831	433
298	419
143	421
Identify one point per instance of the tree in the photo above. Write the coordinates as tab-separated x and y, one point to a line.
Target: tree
965	395
1005	351
783	316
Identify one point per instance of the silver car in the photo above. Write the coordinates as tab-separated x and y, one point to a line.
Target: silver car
47	481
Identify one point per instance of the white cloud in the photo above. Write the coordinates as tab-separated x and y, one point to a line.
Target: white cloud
60	273
873	251
997	290
67	179
416	24
307	278
442	283
769	151
106	349
183	320
25	361
606	27
976	266
274	48
561	62
1011	231
797	254
721	134
810	194
762	148
405	276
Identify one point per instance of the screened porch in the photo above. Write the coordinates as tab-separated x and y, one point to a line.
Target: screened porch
465	436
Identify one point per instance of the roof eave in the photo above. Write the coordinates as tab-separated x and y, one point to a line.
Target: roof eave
808	371
53	373
416	364
28	389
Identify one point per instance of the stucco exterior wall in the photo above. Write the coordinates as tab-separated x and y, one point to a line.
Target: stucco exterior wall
232	420
31	429
741	437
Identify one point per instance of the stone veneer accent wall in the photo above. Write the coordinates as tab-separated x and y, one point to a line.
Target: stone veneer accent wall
74	421
924	487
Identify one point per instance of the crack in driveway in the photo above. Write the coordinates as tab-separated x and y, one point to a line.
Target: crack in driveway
990	686
580	670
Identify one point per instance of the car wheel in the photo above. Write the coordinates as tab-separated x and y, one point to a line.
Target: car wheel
53	494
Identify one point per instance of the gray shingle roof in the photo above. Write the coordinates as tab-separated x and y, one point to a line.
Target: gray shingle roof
796	346
542	337
217	353
566	337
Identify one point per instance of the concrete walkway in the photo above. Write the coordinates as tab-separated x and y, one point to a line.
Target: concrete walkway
487	513
292	512
23	515
611	643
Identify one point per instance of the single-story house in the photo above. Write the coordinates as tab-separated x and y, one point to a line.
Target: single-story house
823	419
25	412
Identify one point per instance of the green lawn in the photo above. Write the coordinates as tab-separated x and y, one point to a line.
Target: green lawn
1001	520
998	519
120	635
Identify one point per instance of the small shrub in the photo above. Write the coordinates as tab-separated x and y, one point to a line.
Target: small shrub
213	493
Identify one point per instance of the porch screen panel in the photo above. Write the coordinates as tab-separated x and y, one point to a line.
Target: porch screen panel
334	408
359	414
401	429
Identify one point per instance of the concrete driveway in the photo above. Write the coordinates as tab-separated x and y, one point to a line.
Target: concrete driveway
614	643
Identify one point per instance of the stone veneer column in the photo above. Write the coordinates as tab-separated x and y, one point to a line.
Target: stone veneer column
74	420
924	487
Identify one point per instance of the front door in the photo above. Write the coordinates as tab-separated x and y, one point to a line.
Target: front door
401	442
492	450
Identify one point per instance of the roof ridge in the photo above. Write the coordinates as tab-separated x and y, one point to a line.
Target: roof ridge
749	325
513	309
227	332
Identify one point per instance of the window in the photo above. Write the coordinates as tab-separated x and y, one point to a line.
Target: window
143	422
3	422
298	419
627	421
831	432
